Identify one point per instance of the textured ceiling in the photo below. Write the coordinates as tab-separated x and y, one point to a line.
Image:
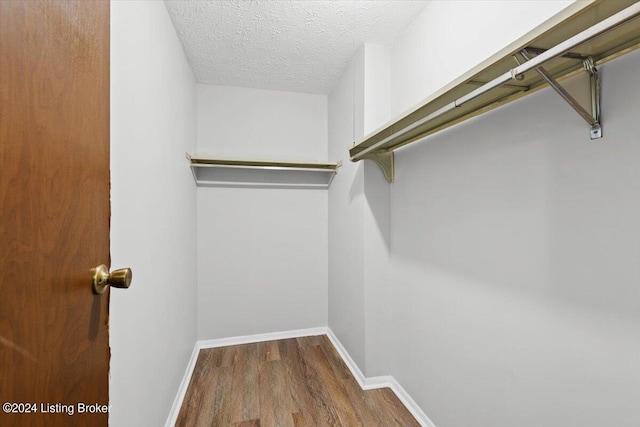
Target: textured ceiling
299	46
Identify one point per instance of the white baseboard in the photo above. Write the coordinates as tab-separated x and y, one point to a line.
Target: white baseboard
364	382
410	404
272	336
355	371
182	390
371	383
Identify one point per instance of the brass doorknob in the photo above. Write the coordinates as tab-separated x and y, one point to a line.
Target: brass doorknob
117	279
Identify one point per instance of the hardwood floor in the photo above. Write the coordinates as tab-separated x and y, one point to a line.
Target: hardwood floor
292	382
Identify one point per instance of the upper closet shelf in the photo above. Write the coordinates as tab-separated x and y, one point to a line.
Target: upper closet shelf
217	172
576	40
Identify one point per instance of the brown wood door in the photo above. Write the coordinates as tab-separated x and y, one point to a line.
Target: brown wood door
54	211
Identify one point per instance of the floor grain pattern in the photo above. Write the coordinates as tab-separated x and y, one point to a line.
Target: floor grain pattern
296	382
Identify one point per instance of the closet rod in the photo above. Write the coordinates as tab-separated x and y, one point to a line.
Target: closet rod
558	50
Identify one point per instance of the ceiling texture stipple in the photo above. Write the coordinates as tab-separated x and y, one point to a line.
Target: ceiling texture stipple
297	46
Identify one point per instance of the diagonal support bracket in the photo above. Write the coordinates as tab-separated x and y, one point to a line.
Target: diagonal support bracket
592	117
384	160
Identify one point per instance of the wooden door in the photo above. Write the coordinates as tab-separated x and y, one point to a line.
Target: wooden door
54	211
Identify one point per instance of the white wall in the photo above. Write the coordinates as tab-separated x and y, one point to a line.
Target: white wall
346	207
152	324
376	217
359	216
262	253
515	242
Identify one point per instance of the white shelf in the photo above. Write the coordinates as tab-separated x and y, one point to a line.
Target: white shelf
218	172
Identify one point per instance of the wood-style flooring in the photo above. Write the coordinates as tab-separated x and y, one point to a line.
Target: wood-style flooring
291	382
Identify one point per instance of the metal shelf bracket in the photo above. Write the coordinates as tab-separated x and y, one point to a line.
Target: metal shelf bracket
384	159
594	81
593	117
